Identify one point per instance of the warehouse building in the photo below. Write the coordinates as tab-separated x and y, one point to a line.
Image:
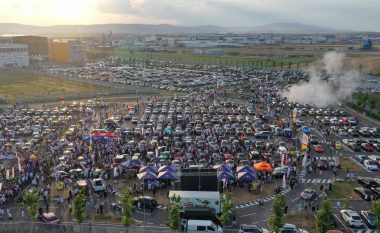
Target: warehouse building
67	51
13	56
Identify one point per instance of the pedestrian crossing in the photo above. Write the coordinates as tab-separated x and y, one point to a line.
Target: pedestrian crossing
265	199
317	181
325	158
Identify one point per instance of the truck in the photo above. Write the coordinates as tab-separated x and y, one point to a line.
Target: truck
199	213
206	199
196	226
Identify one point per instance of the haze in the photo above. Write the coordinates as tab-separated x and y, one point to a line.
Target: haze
352	14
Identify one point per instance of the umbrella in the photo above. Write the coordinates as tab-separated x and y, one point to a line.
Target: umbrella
263	166
167	175
148	169
247	176
147	176
132	163
245	168
222	168
225	176
166	168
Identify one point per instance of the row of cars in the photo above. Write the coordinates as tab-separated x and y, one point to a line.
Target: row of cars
359	144
370	162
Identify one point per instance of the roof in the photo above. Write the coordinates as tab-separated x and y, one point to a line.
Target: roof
199	222
13	46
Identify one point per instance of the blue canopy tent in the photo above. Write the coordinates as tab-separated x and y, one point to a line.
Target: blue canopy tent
226	176
245	168
148	168
246	176
167	175
222	167
147	176
97	138
166	168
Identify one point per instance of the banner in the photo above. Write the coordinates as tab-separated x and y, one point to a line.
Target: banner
100	134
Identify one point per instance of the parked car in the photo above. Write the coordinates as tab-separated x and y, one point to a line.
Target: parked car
290	228
49	218
279	172
308	194
369	218
364	193
365	182
367	147
98	185
319	148
352	218
146	200
252	229
361	158
370	165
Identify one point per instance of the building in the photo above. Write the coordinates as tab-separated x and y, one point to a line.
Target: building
37	45
13	56
67	51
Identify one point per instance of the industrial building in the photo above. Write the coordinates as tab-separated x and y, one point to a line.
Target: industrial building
13	56
67	51
37	45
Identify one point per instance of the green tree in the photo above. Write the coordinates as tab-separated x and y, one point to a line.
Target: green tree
227	207
323	216
346	204
277	219
173	209
127	208
79	211
375	208
30	202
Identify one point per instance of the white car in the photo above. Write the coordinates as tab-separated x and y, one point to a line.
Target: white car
98	185
370	165
290	228
352	218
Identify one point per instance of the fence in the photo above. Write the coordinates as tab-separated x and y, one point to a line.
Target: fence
36	227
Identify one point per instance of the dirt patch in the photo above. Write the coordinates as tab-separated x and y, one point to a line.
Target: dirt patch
347	163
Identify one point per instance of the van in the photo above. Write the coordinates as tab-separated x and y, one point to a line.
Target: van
195	226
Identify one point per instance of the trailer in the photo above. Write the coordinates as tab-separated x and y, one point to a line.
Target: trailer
205	199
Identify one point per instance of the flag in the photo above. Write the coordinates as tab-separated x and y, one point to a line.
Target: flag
280	122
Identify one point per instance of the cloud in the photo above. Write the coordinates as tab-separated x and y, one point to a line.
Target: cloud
339	14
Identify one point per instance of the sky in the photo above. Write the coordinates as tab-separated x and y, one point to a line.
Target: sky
338	14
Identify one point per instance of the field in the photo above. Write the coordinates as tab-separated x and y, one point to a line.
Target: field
281	56
342	190
21	84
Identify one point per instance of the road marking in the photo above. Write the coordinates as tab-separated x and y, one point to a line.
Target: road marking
295	199
309	180
142	213
344	225
246	215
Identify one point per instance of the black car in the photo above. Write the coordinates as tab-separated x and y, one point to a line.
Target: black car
365	182
146	200
375	193
368	182
365	194
369	218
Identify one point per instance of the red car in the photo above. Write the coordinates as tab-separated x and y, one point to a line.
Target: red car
367	147
319	148
344	121
323	164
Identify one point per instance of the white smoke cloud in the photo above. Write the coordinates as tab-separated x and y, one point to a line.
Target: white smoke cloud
320	92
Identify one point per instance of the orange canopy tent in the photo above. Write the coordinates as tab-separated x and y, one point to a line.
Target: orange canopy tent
263	166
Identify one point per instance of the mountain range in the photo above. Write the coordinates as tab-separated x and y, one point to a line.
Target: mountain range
291	28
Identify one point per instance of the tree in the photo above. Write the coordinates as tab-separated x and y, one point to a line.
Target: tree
30	202
323	216
346	204
227	207
78	207
174	221
127	208
277	219
375	208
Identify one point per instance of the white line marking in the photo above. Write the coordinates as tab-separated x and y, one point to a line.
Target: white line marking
246	215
